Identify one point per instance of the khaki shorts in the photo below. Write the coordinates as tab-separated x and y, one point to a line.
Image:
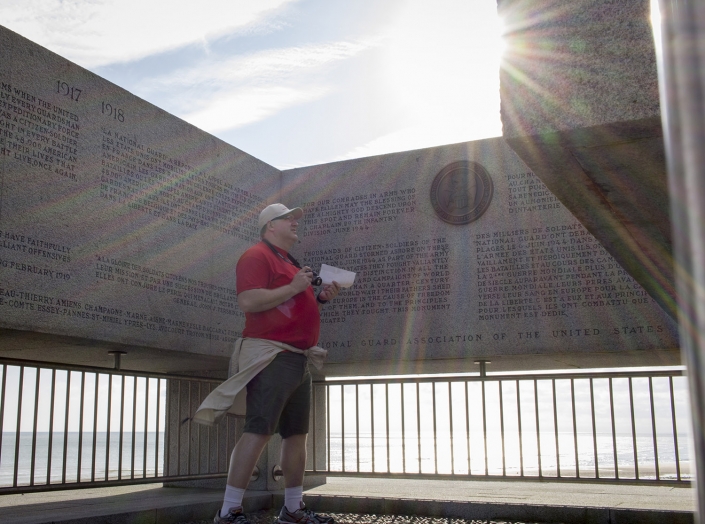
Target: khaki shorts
279	397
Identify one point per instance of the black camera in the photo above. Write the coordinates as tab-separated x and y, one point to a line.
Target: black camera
315	280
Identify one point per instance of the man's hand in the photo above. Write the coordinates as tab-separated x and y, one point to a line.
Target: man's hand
302	279
330	291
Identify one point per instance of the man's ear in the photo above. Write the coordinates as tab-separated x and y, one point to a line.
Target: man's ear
268	227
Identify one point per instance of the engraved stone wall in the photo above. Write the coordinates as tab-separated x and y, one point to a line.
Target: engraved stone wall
522	281
118	221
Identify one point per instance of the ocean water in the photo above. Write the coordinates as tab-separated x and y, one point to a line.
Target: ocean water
410	455
413	455
50	468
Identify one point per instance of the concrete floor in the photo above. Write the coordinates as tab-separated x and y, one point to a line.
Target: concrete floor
526	501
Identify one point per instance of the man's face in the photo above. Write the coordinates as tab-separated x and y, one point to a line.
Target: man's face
284	229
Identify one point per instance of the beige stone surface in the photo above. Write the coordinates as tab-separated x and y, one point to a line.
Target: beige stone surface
119	223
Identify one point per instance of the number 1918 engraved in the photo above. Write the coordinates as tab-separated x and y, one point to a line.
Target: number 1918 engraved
110	110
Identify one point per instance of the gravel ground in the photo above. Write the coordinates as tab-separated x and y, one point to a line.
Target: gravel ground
268	517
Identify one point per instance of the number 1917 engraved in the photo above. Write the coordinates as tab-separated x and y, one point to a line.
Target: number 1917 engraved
64	89
110	110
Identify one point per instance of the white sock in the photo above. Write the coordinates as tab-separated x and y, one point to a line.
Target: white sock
233	499
293	498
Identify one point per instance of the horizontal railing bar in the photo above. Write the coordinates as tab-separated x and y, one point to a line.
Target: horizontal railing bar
107	483
422	476
344	381
502	478
495	378
104	370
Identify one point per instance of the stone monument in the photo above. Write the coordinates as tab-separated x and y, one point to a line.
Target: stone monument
121	225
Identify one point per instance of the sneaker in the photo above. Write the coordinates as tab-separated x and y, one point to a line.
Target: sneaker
303	515
234	516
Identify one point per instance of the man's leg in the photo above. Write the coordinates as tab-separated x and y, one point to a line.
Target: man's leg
293	460
242	462
293	427
244	458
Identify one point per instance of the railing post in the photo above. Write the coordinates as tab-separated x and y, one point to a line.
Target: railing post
117	355
483	366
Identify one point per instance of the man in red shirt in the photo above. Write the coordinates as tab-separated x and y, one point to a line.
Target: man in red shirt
282	314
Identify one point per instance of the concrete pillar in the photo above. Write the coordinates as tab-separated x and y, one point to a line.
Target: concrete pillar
318	434
679	31
191	448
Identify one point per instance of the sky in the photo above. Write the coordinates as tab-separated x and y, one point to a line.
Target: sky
292	82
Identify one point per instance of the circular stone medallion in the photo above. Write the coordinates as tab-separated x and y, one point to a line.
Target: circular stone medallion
461	192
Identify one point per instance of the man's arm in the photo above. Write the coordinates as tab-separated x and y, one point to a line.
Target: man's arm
256	300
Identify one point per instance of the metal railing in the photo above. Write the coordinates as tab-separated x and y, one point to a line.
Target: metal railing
66	426
596	427
76	426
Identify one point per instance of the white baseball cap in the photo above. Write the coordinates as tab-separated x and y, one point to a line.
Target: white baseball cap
273	211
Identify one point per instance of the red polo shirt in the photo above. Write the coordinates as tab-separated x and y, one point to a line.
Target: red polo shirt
295	322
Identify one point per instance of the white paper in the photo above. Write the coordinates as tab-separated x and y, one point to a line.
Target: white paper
342	277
